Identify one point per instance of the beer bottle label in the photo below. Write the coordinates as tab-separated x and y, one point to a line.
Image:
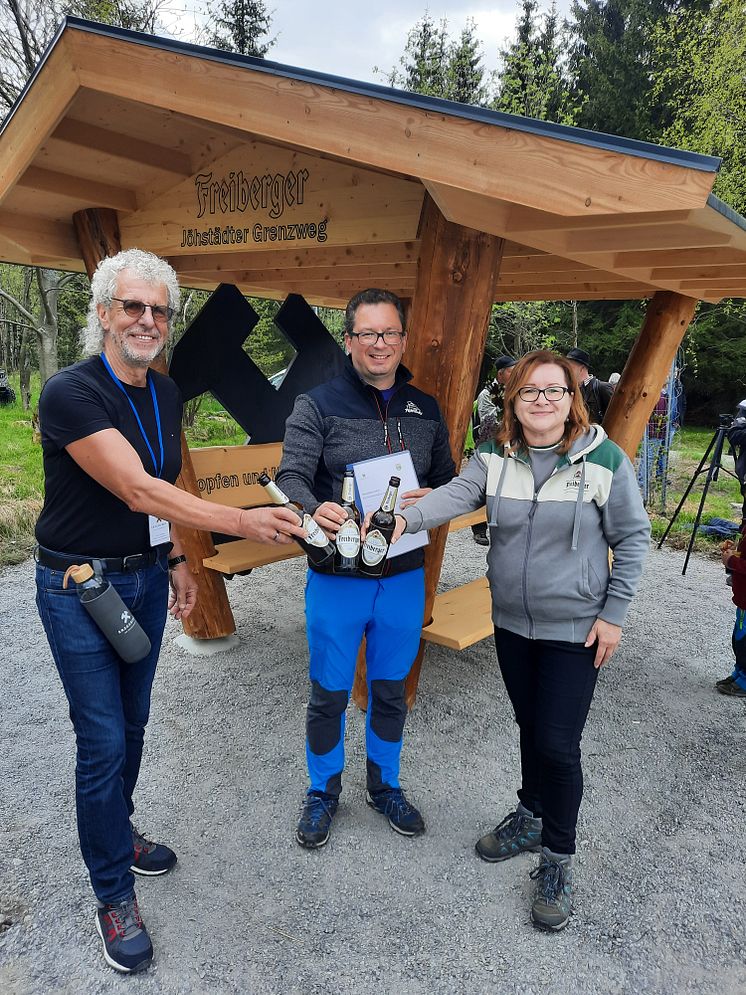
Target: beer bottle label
375	548
348	539
316	535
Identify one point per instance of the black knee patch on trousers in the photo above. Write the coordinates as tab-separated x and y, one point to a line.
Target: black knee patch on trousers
322	718
387	710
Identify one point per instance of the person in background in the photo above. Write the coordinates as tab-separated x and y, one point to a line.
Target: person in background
488	425
110	432
735	563
596	393
559	495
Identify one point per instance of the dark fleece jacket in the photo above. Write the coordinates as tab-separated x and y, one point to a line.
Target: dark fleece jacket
345	421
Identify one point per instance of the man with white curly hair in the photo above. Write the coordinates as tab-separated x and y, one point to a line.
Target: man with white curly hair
111	431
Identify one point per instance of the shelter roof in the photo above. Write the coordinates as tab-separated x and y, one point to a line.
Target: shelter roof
283	180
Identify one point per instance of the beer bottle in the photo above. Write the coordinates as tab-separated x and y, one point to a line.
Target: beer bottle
378	538
317	546
348	538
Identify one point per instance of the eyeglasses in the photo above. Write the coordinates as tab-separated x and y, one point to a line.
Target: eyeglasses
550	393
390	337
136	309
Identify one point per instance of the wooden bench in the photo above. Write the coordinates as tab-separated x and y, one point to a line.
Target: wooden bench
229	475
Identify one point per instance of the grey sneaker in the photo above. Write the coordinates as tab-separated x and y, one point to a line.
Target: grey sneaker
552	902
517	833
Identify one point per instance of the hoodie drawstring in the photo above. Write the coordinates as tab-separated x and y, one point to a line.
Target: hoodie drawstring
496	503
578	508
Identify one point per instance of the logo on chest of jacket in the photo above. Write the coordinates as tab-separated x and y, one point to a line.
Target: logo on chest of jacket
410	408
574	482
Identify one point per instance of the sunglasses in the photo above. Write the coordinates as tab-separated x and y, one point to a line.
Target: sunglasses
136	309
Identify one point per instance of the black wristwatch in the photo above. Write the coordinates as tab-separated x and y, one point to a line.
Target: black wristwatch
175	561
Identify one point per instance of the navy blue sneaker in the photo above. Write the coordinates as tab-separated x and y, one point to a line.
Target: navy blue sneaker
517	833
151	859
127	946
403	817
315	819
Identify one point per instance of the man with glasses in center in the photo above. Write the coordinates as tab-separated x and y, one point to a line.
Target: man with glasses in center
369	410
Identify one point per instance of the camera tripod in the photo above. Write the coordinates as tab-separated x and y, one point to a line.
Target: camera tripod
715	466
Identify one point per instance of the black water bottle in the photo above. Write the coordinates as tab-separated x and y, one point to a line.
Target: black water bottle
102	602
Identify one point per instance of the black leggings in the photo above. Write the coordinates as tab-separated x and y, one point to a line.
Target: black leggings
550	685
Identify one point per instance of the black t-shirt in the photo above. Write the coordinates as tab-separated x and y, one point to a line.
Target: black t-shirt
79	515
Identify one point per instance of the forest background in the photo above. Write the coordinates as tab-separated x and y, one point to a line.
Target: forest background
665	71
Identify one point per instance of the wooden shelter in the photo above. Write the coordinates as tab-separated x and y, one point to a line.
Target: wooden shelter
281	180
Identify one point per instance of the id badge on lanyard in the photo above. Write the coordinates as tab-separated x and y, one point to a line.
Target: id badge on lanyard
159	530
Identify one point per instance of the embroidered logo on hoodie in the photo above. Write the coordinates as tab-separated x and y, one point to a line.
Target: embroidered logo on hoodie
410	408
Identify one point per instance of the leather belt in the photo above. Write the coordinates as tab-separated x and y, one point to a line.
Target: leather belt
109	564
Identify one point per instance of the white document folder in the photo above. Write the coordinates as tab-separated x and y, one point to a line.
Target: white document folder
371	480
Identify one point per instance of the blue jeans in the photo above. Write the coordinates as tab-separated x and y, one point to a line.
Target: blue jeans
339	612
109	707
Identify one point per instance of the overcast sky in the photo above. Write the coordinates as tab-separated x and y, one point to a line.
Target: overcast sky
352	38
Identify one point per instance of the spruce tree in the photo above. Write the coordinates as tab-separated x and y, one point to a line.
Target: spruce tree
242	26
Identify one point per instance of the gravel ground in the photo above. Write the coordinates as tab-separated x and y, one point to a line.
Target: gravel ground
660	882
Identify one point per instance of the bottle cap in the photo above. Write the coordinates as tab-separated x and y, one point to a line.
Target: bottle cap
78	573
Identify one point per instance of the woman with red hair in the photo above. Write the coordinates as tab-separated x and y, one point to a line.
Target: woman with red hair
559	495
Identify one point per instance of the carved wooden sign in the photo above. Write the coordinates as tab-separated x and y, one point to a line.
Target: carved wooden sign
259	196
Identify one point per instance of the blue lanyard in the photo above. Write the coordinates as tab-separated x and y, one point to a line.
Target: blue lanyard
120	385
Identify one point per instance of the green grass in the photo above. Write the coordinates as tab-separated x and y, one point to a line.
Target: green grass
213	426
723	495
21	477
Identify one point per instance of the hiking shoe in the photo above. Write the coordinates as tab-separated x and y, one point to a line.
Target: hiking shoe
151	859
315	819
725	681
403	817
733	688
552	902
480	539
127	946
517	833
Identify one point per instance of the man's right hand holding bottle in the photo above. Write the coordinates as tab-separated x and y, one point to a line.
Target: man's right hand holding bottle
270	525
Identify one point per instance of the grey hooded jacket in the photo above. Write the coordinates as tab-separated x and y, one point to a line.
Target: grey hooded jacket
548	562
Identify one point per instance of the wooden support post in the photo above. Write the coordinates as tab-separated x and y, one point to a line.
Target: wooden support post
645	372
456	277
97	230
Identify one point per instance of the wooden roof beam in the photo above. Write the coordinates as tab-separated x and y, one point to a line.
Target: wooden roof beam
733	271
584	295
499	162
78	188
365	276
374	253
651	258
43	108
38	236
86	136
